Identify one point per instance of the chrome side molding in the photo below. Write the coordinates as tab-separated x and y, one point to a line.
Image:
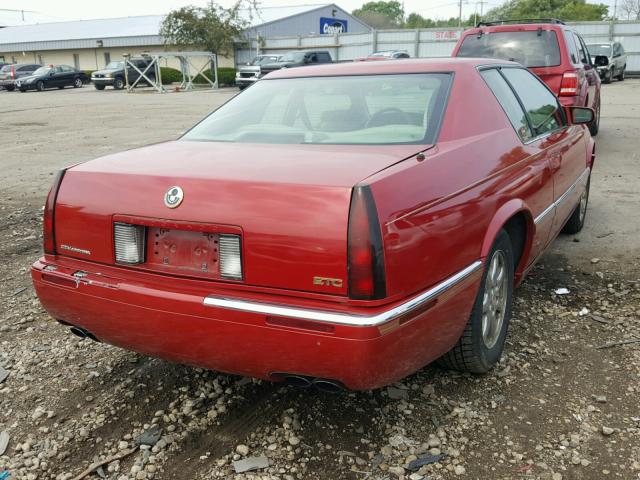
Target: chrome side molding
562	197
344	318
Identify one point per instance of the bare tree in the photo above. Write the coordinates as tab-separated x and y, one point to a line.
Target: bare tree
631	8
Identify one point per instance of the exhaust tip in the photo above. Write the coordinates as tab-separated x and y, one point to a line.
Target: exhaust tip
297	381
328	386
82	333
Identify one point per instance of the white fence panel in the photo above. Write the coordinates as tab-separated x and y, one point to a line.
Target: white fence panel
433	42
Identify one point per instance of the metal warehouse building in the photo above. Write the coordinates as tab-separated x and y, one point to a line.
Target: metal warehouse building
91	44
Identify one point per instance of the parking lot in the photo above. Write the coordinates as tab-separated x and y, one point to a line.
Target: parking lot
562	404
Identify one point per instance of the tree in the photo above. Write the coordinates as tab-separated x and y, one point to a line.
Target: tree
631	8
381	14
415	20
563	9
213	27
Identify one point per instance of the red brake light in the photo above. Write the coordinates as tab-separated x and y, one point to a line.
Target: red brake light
13	72
366	257
48	237
569	84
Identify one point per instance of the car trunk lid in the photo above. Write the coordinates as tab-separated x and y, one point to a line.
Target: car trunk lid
289	204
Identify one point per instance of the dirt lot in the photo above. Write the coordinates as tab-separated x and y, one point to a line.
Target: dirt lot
563	404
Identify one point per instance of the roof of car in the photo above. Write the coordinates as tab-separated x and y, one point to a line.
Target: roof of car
515	27
409	65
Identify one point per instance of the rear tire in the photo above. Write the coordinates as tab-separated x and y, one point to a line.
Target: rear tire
482	341
77	83
10	88
576	220
60	87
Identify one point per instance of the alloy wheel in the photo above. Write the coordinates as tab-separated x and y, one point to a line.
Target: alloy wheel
494	301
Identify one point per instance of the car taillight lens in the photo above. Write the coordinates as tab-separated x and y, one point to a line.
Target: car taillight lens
365	254
230	257
48	235
129	243
13	72
569	84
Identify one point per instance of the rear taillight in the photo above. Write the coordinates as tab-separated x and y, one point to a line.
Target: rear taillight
365	254
48	235
129	241
13	72
230	257
569	84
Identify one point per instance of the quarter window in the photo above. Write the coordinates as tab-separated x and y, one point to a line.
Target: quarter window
542	108
508	101
571	46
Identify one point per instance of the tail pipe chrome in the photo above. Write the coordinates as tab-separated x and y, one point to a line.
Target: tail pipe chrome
82	333
303	381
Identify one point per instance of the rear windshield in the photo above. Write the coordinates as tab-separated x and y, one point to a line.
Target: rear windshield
6	68
363	109
604	50
536	48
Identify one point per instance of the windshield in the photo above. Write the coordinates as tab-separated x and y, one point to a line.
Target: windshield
535	48
114	65
292	57
604	50
363	109
42	71
265	59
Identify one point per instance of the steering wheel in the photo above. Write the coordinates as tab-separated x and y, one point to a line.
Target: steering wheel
377	119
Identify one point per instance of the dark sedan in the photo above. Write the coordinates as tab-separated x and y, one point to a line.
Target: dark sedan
52	76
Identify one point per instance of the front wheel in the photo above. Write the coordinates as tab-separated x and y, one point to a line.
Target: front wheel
608	76
77	83
118	83
576	220
621	76
482	341
99	87
40	86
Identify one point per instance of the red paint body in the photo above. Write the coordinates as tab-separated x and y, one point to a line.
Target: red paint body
437	216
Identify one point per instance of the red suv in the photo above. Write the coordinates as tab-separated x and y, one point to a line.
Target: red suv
549	48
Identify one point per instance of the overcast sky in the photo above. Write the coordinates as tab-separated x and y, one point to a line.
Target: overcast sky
73	9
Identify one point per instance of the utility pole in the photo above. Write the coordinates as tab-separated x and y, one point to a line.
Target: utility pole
460	14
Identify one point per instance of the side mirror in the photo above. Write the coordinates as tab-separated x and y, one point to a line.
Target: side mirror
580	115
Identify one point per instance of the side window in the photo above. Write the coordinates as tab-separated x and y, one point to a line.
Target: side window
571	47
542	107
620	49
313	58
582	57
324	57
508	101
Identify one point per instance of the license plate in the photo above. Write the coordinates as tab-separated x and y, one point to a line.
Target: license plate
183	252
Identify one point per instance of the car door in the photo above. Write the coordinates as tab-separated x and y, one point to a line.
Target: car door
537	167
618	61
563	143
68	75
55	77
591	74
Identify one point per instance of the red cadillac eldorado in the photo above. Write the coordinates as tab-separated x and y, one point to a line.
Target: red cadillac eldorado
336	226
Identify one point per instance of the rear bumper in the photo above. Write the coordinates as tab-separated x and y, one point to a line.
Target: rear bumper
5	83
191	323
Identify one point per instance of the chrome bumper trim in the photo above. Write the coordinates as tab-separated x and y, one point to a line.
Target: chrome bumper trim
562	197
344	318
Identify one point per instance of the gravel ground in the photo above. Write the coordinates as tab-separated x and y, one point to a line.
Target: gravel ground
562	404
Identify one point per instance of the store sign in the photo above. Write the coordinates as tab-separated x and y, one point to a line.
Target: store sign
331	26
447	35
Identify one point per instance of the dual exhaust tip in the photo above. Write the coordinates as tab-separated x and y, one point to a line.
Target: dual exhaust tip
303	382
